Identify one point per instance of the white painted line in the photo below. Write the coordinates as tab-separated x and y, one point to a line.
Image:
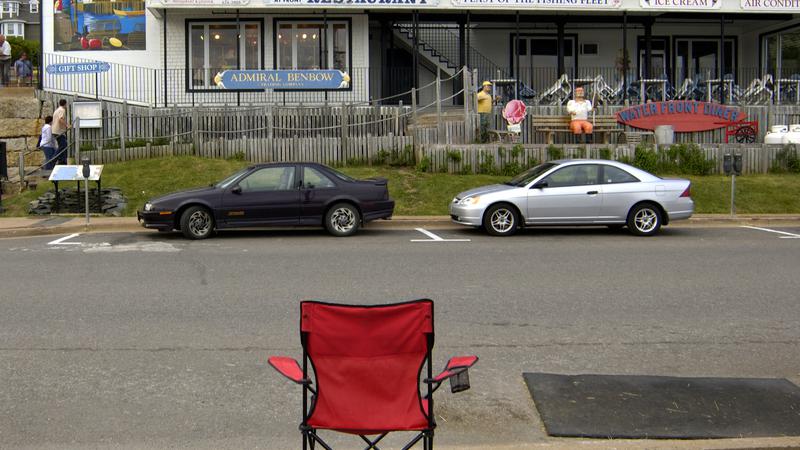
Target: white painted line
792	235
60	241
435	238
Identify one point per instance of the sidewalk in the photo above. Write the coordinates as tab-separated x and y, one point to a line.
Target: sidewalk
43	225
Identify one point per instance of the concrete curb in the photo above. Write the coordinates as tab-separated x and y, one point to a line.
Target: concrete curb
24	227
650	444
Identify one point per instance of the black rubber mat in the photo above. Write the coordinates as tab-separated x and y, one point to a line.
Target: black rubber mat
631	406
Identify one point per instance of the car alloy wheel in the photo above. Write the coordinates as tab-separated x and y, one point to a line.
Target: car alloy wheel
342	219
197	223
644	220
501	220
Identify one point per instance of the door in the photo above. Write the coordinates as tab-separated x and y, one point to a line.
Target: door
268	196
571	195
621	191
317	189
659	55
698	58
538	59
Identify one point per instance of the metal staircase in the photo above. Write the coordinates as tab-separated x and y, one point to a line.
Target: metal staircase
439	44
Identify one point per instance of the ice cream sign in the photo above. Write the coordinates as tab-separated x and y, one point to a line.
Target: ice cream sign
282	79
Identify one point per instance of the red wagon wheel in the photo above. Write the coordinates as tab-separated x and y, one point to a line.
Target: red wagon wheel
745	134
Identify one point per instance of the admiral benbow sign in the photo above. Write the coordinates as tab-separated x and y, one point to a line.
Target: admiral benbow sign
282	79
683	115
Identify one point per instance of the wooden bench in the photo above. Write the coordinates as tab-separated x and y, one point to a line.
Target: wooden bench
502	136
604	126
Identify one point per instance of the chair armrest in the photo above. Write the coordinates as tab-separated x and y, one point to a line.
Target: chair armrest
455	365
288	367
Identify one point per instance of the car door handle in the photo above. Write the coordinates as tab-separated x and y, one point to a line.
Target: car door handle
592	193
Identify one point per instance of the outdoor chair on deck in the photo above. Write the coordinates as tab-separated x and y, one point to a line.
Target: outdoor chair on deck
367	362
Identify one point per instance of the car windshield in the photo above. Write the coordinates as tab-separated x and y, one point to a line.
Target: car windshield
227	181
530	174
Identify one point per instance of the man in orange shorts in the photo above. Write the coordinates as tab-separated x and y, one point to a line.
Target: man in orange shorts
579	109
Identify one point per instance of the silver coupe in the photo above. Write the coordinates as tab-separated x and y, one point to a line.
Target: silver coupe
576	192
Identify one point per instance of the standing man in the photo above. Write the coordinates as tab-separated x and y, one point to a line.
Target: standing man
24	70
60	127
579	110
485	102
5	60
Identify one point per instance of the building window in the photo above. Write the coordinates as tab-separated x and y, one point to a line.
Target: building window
34	5
216	47
782	53
9	9
13	29
307	45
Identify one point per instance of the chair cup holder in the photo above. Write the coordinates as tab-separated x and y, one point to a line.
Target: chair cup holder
460	381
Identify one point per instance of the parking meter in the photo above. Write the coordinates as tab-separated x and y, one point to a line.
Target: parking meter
727	163
737	164
86	167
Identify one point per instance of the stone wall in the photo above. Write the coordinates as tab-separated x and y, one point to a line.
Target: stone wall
20	120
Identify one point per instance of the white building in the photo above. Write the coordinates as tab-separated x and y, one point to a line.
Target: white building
168	52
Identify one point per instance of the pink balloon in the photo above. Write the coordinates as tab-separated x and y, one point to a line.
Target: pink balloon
514	112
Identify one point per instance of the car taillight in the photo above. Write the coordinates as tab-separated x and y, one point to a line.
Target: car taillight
687	192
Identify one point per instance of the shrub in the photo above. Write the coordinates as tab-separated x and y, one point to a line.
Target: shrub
692	160
605	153
517	150
19	45
645	158
532	162
381	157
486	165
786	160
424	164
466	169
510	169
237	156
454	156
355	161
580	152
554	152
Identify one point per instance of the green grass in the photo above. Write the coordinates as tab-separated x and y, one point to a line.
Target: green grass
415	193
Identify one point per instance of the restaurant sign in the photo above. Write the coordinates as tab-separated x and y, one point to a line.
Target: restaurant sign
577	4
353	3
683	115
771	5
681	5
282	79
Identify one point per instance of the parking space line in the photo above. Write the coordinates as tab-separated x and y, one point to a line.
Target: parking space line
60	241
435	238
787	234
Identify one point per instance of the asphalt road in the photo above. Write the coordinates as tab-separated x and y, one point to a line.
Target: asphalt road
147	340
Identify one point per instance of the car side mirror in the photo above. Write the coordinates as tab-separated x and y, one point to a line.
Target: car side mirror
236	189
540	185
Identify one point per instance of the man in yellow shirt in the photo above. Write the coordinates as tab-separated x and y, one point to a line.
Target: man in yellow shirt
485	101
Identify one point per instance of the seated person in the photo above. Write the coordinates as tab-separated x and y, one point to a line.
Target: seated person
579	109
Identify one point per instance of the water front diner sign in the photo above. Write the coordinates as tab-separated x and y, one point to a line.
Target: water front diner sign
354	3
283	79
75	68
578	4
681	5
683	115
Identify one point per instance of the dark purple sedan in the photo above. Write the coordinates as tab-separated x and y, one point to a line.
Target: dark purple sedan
277	194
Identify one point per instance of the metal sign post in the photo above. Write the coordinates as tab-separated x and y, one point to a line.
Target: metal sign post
732	165
87	171
76	125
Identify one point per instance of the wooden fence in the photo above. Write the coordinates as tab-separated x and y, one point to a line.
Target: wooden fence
510	159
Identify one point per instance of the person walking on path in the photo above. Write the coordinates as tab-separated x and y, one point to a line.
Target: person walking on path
24	70
48	144
60	127
485	101
5	60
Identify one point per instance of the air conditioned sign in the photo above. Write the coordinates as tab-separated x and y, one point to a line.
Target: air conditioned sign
282	79
681	5
683	115
578	4
771	5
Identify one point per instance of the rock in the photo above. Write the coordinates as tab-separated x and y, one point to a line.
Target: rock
14	128
19	107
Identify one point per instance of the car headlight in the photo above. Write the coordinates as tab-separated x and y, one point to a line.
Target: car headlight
148	206
469	201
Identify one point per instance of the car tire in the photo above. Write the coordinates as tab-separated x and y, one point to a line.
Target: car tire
197	222
644	219
342	219
501	220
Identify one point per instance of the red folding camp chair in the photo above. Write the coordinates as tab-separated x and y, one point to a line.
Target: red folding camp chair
367	361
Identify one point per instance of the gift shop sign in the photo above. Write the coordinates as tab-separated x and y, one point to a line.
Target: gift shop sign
683	115
71	68
681	5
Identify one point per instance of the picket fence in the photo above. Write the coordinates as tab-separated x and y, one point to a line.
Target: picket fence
483	158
